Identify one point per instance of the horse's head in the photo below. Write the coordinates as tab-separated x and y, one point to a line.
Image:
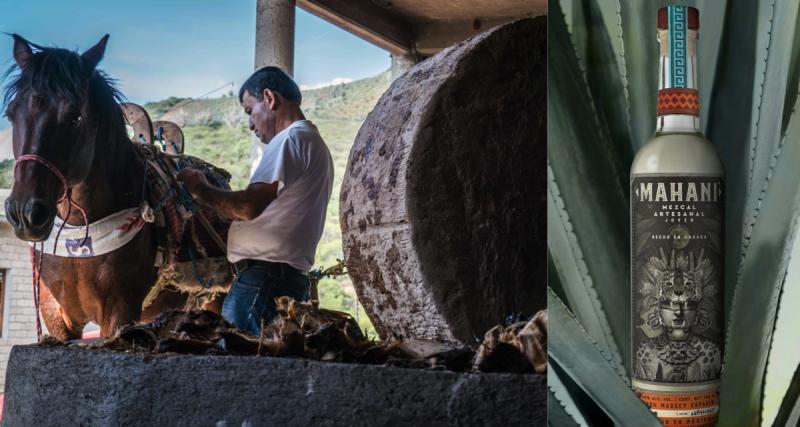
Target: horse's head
54	131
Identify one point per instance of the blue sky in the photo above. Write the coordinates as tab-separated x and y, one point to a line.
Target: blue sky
182	48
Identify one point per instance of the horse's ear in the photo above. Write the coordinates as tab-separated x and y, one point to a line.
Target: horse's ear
93	56
22	51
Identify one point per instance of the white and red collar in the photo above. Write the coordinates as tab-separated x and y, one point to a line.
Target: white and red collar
105	235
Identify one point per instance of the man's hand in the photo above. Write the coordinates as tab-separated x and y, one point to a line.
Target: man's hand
193	180
241	205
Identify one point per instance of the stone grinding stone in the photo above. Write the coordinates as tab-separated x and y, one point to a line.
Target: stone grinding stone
56	386
443	202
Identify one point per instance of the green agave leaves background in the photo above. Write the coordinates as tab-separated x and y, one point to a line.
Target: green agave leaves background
603	62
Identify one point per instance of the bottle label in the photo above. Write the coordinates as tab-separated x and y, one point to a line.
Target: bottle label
677	292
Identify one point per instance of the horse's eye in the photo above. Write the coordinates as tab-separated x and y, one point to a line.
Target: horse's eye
76	121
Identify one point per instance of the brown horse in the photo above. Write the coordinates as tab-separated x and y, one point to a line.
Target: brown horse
70	141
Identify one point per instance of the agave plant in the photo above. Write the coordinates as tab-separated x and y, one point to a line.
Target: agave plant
603	63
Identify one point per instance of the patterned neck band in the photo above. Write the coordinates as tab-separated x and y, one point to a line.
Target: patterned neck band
678	27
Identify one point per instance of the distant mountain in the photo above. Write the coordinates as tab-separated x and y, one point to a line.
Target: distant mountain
346	101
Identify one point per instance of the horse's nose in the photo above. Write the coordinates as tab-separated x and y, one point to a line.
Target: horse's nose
12	213
31	219
36	214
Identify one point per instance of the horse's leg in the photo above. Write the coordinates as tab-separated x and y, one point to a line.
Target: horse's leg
121	280
117	314
117	317
59	323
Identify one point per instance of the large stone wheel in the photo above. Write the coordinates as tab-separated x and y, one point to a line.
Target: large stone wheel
443	201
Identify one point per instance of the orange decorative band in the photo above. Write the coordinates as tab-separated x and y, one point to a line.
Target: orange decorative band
678	101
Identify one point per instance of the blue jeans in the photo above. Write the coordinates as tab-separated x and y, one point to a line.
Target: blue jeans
252	295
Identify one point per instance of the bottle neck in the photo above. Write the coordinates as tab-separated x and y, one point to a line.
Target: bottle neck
678	100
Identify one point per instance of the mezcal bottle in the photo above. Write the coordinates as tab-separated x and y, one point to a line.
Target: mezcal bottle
677	257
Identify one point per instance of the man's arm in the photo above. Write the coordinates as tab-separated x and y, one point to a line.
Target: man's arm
241	205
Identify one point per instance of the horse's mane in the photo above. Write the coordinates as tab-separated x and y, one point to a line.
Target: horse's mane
57	72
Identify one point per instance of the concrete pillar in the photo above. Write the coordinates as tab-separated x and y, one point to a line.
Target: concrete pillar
275	34
401	64
275	24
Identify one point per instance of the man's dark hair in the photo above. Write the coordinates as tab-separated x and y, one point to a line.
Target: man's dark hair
274	79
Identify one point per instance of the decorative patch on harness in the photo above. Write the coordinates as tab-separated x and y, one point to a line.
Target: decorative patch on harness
79	248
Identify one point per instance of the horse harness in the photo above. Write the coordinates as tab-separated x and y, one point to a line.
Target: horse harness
191	258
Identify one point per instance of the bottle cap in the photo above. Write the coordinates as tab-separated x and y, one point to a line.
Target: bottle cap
692	17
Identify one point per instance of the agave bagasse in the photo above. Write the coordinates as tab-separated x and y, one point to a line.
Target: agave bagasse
602	65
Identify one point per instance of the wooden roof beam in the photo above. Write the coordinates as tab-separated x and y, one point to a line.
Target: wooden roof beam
366	20
432	37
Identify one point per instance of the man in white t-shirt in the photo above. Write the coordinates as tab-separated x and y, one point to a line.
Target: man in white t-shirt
279	217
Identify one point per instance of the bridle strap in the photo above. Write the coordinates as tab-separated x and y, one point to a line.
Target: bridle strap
66	195
52	167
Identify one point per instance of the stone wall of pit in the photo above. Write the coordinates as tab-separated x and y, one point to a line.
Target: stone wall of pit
53	385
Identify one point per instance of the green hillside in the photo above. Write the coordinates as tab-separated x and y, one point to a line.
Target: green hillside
216	131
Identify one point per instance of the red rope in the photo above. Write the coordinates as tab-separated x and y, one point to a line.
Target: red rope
35	272
67	195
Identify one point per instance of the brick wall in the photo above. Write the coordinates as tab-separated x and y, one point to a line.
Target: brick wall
19	321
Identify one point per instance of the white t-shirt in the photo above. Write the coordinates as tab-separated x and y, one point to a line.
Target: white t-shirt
289	228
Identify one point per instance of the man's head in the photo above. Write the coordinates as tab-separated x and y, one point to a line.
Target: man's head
265	95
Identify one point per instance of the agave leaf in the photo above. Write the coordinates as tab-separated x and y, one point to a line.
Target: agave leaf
793	77
553	280
582	361
759	287
567	8
557	415
605	72
784	355
600	64
712	19
789	412
639	36
775	38
559	399
609	13
590	410
582	160
576	282
575	19
728	118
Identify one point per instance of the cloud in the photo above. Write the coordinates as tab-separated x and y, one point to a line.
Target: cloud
335	81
